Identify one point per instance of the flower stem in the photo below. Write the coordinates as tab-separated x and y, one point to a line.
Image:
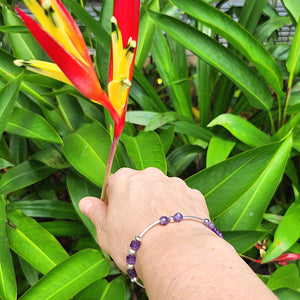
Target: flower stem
110	160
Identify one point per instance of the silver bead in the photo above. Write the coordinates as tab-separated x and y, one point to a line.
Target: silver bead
138	238
130	267
134	279
171	219
131	251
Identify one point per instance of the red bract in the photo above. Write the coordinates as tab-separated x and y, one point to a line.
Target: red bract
59	35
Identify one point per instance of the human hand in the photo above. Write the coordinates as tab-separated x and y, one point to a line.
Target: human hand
136	199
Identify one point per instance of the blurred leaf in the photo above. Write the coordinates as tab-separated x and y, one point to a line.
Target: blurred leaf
87	150
64	228
167	137
8	97
75	274
30	273
293	8
287	233
242	130
161	119
218	150
23	175
146	30
145	150
237	36
140	117
287	294
31	125
33	243
243	240
79	188
45	209
293	61
104	290
286	276
239	189
8	287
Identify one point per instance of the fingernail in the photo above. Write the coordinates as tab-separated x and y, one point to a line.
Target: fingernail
86	207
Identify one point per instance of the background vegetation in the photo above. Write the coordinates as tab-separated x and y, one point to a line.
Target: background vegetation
228	124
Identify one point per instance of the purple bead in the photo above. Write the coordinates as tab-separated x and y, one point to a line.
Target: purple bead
178	217
135	245
206	222
132	273
164	220
131	259
211	226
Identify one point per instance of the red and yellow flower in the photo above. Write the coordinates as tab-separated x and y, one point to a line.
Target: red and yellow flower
59	35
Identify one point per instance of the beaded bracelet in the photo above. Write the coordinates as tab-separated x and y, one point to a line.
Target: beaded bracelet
136	243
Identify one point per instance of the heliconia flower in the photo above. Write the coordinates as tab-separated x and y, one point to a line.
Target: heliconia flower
59	35
281	259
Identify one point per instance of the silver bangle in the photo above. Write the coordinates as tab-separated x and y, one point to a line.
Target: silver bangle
136	243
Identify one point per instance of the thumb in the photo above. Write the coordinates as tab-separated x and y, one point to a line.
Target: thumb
94	208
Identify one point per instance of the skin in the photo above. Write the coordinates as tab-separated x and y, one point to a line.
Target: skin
182	260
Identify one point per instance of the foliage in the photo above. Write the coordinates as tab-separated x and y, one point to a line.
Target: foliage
227	123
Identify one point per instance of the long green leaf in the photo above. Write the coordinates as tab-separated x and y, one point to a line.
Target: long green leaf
70	277
287	233
237	36
8	97
8	287
242	130
293	61
239	189
31	125
225	61
293	7
87	150
33	243
23	175
145	150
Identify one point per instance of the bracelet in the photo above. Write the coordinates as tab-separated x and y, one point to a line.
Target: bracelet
136	243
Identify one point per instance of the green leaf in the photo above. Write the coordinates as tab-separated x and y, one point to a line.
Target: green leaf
161	53
103	290
242	130
293	61
30	273
287	294
64	228
237	36
140	117
238	190
8	287
145	150
8	97
287	233
33	243
218	150
79	188
23	175
31	125
45	209
75	274
286	276
293	7
243	240
87	150
161	119
146	31
225	61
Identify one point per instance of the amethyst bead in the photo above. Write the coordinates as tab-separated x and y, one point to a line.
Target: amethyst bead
164	220
135	245
132	273
178	217
211	226
206	222
131	259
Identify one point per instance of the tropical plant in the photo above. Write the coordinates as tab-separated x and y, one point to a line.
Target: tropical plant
227	123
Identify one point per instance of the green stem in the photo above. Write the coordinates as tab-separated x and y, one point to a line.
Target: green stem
110	160
271	121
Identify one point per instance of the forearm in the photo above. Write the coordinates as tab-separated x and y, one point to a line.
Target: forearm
193	263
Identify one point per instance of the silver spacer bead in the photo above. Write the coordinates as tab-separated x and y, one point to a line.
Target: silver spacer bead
134	279
138	238
130	267
171	219
131	251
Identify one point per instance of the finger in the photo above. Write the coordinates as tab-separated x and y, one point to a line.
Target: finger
95	209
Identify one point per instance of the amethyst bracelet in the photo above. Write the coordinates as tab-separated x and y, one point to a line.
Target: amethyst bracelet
136	243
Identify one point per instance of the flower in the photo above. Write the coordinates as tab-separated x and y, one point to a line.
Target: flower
59	35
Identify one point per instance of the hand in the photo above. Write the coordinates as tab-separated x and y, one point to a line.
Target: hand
135	200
